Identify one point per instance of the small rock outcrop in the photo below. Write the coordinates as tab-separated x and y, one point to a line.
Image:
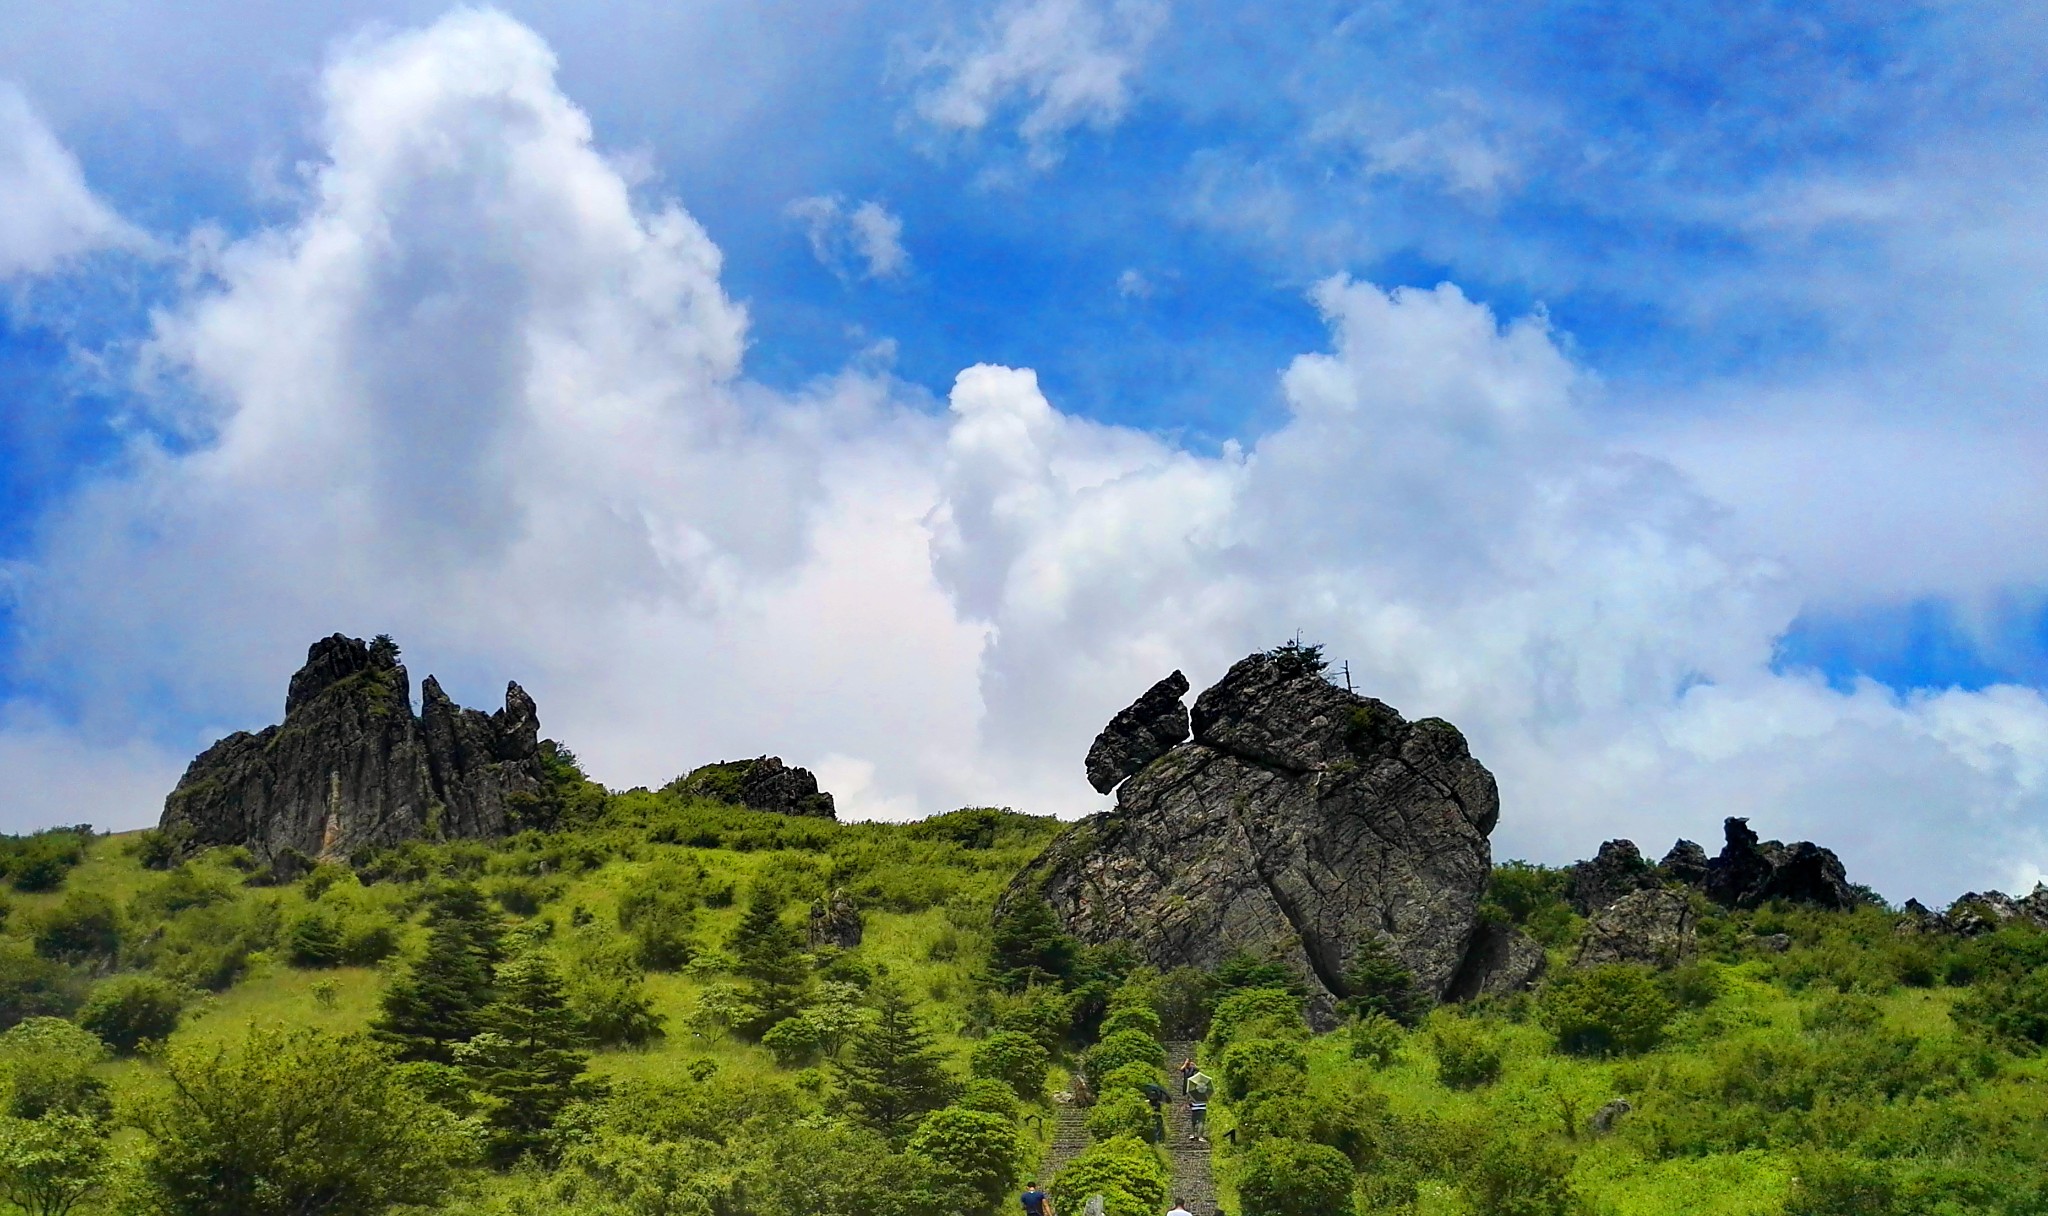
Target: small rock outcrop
351	766
1654	927
1147	729
1685	863
1299	822
1501	960
1616	871
1977	913
1750	872
835	921
1607	1116
764	783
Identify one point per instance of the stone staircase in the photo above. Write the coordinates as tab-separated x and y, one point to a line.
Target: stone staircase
1069	1137
1193	1181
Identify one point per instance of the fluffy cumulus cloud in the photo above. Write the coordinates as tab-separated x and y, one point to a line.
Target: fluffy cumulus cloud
1056	64
865	240
481	395
47	212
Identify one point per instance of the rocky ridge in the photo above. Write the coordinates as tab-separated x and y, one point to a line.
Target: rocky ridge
351	765
1299	821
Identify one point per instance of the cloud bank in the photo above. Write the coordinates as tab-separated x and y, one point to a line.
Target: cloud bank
47	212
481	395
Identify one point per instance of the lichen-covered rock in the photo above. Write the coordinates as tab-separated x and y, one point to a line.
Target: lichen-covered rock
1147	729
1500	961
1685	863
1300	821
1750	872
764	783
1618	869
1656	928
352	767
834	921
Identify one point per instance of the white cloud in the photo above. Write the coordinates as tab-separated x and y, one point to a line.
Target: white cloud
1064	63
1133	285
47	212
867	234
476	396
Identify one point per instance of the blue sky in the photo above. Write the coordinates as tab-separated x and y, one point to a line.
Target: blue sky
1722	450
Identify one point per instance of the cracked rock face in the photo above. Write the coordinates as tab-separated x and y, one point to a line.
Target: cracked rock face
1300	821
352	766
1655	927
1148	729
1616	871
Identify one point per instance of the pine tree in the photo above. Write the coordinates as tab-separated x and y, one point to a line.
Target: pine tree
1378	982
436	1003
894	1075
1029	947
769	951
528	1058
315	941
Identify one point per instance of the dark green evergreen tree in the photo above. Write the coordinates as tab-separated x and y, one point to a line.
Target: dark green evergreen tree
1029	947
528	1058
314	941
436	1003
770	958
1377	981
893	1075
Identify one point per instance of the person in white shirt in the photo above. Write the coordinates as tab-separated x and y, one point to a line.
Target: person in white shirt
1179	1209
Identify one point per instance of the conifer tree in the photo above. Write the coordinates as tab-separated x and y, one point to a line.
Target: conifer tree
436	1003
770	958
893	1074
1029	947
527	1059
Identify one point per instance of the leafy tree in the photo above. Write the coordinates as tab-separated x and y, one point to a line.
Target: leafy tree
1378	982
1606	1010
84	930
769	954
437	1002
1294	1178
894	1074
1028	946
1014	1058
528	1058
47	1067
49	1166
132	1010
295	1123
972	1148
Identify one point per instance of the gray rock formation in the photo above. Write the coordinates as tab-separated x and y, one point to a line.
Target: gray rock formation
1617	870
1299	821
764	783
1656	928
1607	1116
351	766
1750	872
1500	960
834	921
1976	913
1149	728
1686	863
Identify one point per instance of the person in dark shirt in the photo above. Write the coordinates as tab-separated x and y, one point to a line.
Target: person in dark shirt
1036	1202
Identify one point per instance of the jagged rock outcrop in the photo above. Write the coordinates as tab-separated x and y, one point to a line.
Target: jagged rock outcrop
351	766
1500	960
764	783
1750	872
1147	729
1977	913
1685	863
834	921
1615	871
1655	927
1300	821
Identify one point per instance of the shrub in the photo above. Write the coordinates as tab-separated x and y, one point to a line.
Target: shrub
971	1148
1465	1056
46	1067
1834	1185
1141	1018
1378	982
368	939
1014	1058
990	1097
1123	1047
83	930
313	940
132	1010
793	1041
33	986
1294	1178
1517	1177
1257	1064
2011	1011
1123	1112
1377	1039
1258	1013
1606	1010
1125	1171
40	862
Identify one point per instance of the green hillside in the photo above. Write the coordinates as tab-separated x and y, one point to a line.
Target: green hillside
646	1029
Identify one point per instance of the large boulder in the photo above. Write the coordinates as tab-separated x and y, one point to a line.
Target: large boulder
351	766
1300	821
764	783
1655	927
1686	863
1616	871
1139	734
1750	872
1500	961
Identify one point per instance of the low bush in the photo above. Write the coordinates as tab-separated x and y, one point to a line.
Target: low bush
1266	1013
1280	1177
1014	1058
1125	1171
1608	1010
1263	1064
84	930
132	1010
1466	1056
1122	1112
1123	1047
